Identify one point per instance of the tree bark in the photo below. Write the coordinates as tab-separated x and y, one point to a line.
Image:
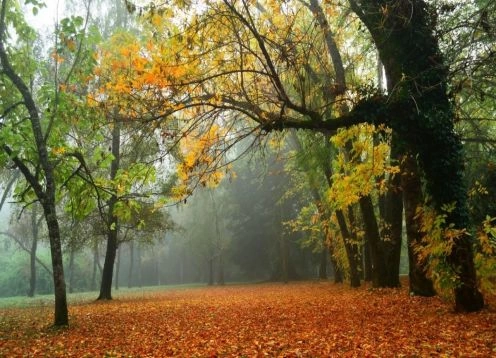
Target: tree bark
350	248
61	312
71	270
111	222
373	237
117	268
131	264
323	263
393	218
419	283
367	262
211	271
32	252
338	274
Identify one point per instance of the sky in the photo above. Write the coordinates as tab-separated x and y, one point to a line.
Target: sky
47	16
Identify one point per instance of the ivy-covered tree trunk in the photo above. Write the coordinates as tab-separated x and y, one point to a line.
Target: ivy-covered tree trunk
421	114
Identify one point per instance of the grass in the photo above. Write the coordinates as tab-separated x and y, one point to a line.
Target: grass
89	296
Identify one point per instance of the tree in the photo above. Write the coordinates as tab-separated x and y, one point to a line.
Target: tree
248	52
41	179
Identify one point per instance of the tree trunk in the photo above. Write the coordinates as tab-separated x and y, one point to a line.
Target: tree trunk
221	280
131	264
323	263
374	240
61	312
108	266
32	252
350	248
117	268
393	218
111	222
96	265
211	271
419	283
284	252
367	262
338	274
423	117
71	271
140	268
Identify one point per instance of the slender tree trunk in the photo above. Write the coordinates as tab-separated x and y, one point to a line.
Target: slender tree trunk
350	248
108	266
96	266
131	265
140	267
71	270
367	262
284	253
419	283
338	274
157	268
117	268
393	218
323	263
221	280
374	239
111	222
61	312
32	252
211	271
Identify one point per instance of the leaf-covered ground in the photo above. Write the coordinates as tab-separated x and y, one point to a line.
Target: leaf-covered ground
304	319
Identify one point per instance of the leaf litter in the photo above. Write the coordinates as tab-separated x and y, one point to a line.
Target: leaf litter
310	319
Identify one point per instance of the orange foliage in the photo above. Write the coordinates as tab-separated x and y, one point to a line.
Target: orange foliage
303	319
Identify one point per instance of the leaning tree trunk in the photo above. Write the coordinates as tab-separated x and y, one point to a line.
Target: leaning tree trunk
422	115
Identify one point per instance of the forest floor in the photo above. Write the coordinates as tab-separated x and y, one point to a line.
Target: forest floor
308	319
